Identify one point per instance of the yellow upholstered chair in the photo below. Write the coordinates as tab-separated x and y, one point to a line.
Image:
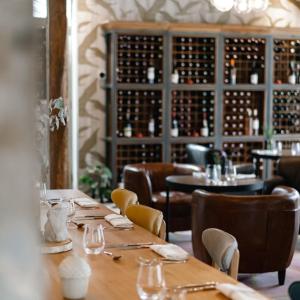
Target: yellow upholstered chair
123	198
147	217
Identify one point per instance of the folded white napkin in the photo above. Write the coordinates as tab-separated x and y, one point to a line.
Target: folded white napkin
239	291
118	221
199	175
86	202
245	176
170	251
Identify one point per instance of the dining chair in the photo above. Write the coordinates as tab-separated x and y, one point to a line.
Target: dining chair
123	198
222	247
294	290
147	217
256	221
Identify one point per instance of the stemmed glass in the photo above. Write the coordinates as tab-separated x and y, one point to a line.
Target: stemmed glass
93	239
150	283
71	212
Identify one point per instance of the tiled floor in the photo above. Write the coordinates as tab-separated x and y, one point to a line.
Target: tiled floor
266	283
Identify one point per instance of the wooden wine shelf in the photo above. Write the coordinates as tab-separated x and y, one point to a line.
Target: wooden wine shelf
200	53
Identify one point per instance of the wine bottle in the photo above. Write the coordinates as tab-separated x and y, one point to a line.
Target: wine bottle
254	74
255	122
232	71
128	127
175	77
174	129
204	128
292	73
151	127
249	122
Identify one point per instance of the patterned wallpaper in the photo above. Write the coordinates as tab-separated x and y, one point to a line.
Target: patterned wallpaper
92	13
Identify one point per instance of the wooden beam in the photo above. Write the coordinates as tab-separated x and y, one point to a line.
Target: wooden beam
58	140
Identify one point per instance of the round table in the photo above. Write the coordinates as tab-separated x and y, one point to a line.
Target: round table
269	154
189	183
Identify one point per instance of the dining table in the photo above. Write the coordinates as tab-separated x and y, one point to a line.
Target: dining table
116	279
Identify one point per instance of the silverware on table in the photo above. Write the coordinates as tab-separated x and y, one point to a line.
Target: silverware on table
130	245
114	257
190	288
170	261
83	218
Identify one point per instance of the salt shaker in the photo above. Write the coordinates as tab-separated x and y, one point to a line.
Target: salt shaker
74	272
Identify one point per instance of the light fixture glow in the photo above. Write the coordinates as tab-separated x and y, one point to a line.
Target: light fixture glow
242	6
259	4
222	5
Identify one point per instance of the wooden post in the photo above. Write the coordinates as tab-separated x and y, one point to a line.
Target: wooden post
58	140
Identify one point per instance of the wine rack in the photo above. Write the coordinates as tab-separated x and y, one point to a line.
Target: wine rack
236	108
136	54
173	84
285	52
130	154
244	52
179	154
137	107
190	109
194	59
286	112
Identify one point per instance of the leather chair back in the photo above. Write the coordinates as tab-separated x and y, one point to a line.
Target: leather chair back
196	154
145	179
289	169
265	226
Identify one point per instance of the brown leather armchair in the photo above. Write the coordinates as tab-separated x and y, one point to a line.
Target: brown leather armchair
288	173
265	227
148	182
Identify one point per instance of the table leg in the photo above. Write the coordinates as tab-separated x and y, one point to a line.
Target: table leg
167	212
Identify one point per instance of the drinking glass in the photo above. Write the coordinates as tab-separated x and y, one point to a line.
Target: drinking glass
230	173
294	149
212	175
279	147
43	191
150	283
93	239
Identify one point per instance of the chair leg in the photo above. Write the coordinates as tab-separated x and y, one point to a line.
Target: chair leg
281	277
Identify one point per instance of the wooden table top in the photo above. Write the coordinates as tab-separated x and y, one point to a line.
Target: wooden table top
115	280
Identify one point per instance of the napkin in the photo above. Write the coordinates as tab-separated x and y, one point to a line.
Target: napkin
245	176
86	202
118	221
170	251
239	291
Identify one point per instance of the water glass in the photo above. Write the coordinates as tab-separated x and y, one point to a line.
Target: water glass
230	173
93	239
213	173
279	147
150	283
294	149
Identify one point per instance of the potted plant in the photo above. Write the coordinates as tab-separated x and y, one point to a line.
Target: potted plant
96	181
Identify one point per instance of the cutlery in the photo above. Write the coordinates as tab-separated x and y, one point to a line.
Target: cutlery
89	218
169	261
130	246
114	257
198	287
117	228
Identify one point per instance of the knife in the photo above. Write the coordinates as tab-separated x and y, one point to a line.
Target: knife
200	286
130	246
89	217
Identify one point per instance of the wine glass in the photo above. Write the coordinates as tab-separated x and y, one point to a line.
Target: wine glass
93	239
150	283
